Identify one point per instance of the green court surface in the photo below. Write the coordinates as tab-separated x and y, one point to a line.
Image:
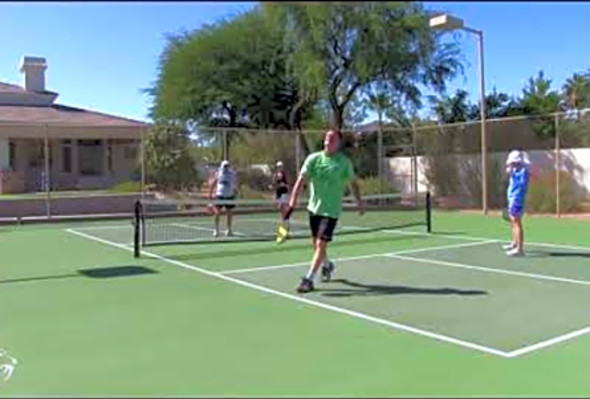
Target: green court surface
406	314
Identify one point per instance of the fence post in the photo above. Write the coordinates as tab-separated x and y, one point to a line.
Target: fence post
142	160
557	168
47	177
414	161
224	144
380	155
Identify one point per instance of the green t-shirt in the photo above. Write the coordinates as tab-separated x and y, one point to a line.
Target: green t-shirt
327	177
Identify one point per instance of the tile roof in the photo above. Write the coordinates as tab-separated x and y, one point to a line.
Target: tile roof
56	114
9	88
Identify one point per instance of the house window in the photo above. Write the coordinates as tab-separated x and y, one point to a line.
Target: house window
36	155
67	158
110	158
130	152
90	157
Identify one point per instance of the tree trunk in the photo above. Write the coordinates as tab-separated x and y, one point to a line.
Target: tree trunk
337	118
380	151
296	125
228	133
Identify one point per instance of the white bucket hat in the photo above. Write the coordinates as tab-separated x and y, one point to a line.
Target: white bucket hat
224	164
279	164
516	156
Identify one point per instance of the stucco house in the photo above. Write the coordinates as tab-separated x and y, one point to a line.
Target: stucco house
72	148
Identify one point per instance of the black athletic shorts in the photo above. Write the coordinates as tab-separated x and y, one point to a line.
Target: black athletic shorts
280	191
226	206
322	227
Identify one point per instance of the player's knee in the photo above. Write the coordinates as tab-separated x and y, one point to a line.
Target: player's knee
321	244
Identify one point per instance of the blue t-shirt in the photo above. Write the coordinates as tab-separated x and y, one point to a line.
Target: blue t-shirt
517	188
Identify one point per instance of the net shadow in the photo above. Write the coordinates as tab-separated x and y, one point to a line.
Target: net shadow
245	248
103	272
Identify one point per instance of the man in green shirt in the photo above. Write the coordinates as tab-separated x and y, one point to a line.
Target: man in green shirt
327	172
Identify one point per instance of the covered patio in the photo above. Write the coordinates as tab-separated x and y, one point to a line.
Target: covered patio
64	148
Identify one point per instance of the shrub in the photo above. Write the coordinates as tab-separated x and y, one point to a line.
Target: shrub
541	196
127	187
255	179
372	186
247	192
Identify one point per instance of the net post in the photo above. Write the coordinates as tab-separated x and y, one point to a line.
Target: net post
428	213
136	227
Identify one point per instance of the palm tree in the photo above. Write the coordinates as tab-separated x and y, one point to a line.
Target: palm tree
576	92
537	96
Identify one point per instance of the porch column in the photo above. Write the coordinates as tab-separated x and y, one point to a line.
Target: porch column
47	180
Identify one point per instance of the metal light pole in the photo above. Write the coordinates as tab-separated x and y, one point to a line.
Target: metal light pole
447	22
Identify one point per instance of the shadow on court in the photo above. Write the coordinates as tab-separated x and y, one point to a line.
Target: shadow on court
556	254
102	272
359	289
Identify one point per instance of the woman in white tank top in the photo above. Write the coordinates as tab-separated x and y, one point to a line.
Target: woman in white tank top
225	185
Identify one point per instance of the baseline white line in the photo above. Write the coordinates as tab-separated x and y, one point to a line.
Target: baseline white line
475	238
336	309
442	247
492	270
549	342
351	258
106	227
288	265
195	227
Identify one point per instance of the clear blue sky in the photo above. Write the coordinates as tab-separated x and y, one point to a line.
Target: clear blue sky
101	55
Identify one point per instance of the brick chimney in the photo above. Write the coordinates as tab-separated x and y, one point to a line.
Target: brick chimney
33	69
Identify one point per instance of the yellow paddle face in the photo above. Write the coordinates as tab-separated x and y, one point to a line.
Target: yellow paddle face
282	233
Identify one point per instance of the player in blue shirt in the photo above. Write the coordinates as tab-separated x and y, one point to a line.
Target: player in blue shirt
517	165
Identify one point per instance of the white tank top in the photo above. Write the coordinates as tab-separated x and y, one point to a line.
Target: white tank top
226	180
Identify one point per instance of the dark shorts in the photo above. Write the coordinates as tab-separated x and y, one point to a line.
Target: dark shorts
281	191
226	206
322	227
515	209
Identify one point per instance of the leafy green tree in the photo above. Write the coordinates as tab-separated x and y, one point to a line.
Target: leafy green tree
498	105
538	97
169	164
451	108
341	49
229	74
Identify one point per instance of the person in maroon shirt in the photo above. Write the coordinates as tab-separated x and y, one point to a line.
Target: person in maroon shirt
281	188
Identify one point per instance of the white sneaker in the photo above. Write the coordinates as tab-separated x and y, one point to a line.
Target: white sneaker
228	233
216	234
509	246
515	252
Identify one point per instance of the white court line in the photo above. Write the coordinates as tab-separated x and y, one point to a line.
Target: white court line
190	226
491	270
298	264
106	227
336	309
360	257
549	342
474	238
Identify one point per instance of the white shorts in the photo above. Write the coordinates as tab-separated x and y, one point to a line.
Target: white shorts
283	199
